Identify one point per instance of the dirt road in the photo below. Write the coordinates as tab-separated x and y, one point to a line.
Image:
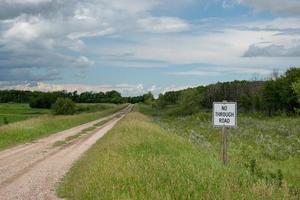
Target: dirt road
31	171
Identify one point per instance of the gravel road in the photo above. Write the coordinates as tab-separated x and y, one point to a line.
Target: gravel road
32	171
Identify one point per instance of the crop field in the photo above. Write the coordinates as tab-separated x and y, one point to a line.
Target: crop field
12	112
44	123
163	157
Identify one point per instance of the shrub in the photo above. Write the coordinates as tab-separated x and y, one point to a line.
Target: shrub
64	106
5	121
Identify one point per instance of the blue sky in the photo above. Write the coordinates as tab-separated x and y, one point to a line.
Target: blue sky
135	46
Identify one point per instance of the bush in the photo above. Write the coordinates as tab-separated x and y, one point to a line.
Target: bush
5	121
64	106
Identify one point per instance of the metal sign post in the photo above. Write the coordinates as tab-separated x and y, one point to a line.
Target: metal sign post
224	116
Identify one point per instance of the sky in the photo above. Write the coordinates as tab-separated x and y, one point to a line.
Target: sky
136	46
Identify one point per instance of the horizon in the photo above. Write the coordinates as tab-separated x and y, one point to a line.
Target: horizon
137	46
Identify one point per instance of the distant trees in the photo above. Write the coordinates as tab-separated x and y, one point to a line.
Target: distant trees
43	100
169	98
279	95
275	96
46	99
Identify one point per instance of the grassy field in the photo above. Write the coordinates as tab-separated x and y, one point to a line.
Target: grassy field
145	159
13	112
268	147
31	129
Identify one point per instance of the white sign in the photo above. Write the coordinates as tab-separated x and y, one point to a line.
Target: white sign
224	114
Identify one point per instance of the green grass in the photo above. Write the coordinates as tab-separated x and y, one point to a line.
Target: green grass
138	159
31	129
270	144
14	112
17	112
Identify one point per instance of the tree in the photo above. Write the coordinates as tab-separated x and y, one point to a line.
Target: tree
43	100
148	98
189	101
64	106
296	89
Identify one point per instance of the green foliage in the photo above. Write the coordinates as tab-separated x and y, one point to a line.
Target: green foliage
189	101
5	121
46	99
64	106
169	98
42	101
148	98
278	95
296	88
271	97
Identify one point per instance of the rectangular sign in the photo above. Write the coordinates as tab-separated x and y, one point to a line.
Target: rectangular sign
225	114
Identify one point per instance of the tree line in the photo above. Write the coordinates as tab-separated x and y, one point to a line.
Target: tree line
38	99
279	95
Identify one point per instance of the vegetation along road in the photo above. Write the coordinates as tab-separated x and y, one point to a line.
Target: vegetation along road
31	171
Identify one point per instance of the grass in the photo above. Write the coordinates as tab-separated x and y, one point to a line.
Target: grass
13	112
269	145
138	159
31	129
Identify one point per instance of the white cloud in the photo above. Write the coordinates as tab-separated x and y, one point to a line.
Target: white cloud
78	35
84	61
51	34
163	24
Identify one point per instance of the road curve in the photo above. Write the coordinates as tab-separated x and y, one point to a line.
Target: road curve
31	171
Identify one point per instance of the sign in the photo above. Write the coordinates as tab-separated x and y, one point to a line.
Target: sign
224	114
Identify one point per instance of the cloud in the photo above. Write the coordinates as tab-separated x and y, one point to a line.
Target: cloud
50	34
124	89
54	35
287	7
220	71
23	74
77	35
194	73
163	24
272	51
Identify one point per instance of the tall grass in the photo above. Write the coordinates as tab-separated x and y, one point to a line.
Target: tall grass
270	146
31	129
140	160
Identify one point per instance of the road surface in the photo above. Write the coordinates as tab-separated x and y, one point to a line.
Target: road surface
32	171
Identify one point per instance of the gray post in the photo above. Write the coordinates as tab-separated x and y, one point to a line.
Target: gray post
224	133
